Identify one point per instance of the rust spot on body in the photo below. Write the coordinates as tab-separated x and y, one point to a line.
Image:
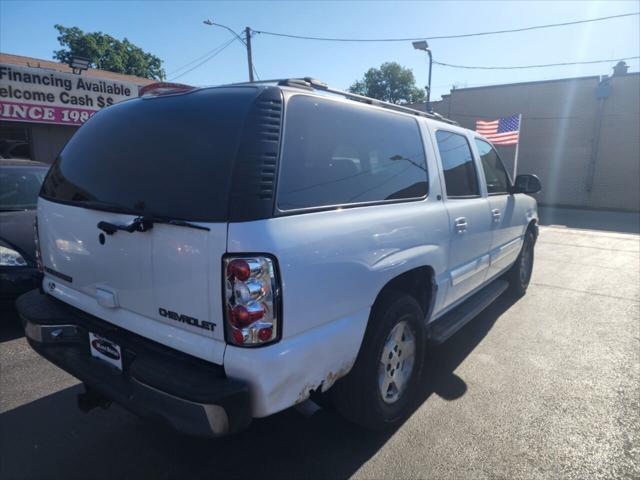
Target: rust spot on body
326	383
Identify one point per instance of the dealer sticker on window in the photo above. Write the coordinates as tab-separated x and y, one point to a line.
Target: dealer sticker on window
105	350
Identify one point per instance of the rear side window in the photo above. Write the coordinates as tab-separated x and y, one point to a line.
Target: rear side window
494	172
336	154
460	176
168	156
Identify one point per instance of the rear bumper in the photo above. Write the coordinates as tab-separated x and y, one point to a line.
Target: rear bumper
193	396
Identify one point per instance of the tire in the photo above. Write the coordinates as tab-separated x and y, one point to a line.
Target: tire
358	396
519	275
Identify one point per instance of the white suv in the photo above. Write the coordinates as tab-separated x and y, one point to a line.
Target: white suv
218	254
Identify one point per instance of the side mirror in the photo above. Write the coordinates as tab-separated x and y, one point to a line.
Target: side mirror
527	184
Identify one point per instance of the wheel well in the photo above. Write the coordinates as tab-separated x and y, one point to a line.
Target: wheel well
419	283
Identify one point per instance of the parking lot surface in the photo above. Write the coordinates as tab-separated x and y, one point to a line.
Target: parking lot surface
547	386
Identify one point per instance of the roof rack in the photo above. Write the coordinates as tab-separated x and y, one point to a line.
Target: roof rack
309	83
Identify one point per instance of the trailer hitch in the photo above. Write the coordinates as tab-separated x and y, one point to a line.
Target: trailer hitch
90	399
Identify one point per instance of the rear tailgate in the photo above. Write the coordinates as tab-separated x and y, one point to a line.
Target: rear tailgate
164	158
163	284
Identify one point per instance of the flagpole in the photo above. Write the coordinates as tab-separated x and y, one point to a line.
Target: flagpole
515	159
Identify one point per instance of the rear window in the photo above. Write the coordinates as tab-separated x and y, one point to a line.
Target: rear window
336	154
167	156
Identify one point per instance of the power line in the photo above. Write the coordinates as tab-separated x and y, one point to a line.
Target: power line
441	37
516	67
209	56
215	52
172	72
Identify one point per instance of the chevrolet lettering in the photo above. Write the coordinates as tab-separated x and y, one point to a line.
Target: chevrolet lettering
187	319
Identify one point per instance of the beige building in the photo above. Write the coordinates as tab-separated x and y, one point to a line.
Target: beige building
581	136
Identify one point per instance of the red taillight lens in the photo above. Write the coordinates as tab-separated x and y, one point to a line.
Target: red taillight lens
243	269
238	337
264	334
243	316
251	300
239	269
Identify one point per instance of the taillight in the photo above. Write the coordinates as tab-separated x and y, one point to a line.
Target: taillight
252	300
37	242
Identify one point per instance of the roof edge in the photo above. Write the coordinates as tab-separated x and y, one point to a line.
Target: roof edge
534	82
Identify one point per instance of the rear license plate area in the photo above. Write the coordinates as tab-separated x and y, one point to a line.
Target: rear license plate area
105	350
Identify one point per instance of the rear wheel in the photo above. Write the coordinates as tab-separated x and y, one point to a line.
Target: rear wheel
519	275
379	391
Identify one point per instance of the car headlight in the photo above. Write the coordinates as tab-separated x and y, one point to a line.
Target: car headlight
11	258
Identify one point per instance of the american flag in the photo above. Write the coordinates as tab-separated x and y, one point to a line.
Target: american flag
504	131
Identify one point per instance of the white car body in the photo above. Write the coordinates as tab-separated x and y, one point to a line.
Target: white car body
333	264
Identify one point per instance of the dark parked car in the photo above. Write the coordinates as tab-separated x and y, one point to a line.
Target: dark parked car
20	182
14	149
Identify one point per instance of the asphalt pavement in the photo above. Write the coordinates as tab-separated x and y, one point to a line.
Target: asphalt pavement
544	387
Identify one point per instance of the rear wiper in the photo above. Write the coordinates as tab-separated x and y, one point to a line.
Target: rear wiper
145	223
177	223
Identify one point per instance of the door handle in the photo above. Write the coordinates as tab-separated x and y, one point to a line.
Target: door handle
495	214
461	224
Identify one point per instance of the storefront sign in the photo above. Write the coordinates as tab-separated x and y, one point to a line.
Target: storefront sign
39	95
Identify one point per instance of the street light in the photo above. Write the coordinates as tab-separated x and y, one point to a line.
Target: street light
423	45
213	24
245	41
78	64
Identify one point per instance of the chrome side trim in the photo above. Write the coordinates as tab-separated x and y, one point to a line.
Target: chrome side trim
218	419
467	271
34	332
216	415
505	250
51	333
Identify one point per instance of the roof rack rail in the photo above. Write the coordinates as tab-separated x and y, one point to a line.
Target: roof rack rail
309	83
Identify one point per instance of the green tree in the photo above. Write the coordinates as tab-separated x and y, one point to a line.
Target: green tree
107	53
390	83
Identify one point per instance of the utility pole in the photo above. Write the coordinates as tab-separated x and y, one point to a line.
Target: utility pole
429	87
247	33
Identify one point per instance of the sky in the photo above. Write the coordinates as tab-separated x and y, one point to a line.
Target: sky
174	31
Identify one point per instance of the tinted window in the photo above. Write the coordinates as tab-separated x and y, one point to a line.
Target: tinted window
19	187
336	153
457	162
494	172
168	156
